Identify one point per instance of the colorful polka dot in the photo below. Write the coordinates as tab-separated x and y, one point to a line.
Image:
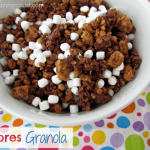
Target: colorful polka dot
148	97
123	122
21	149
134	142
28	125
39	125
146	134
87	148
129	109
99	123
147	120
54	128
4	128
143	94
7	117
18	122
87	127
107	148
138	126
69	129
86	139
4	148
98	137
148	142
1	112
65	145
111	117
75	141
139	114
80	133
141	102
110	125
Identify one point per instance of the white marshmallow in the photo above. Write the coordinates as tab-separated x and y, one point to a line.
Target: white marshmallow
38	22
88	54
32	57
15	56
6	74
23	15
71	22
23	55
101	7
61	56
37	63
54	69
17	11
100	55
70	83
53	99
121	67
111	92
107	74
64	46
14	27
25	49
44	105
43	82
74	109
18	19
1	27
129	46
9	80
69	16
46	29
80	18
76	82
63	21
15	73
79	56
49	22
10	38
101	83
47	53
103	12
57	19
67	53
42	27
36	52
64	105
71	75
75	90
97	14
112	80
84	8
81	24
32	45
131	36
41	57
31	23
116	72
8	27
39	46
36	101
94	9
16	47
44	23
89	19
3	61
56	80
90	14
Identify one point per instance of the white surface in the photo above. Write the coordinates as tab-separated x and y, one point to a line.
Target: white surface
139	12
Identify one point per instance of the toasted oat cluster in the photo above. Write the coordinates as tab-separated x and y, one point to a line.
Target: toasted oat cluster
67	54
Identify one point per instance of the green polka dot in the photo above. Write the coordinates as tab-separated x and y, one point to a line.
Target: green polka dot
39	125
74	141
0	108
148	98
134	142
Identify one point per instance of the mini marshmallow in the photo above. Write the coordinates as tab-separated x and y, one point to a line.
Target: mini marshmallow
46	29
32	45
25	49
39	46
42	27
97	14
101	83
75	90
15	73
63	21
41	57
90	14
16	47
67	53
36	52
61	56
6	74
65	105
88	54
23	15
111	92
49	22
107	74
84	8
76	82
9	80
71	75
17	11
121	67
32	57
1	27
131	36
112	80
101	7
31	23
116	72
43	82
47	53
130	46
100	55
70	83
36	101
8	27
79	56
65	47
103	12
89	19
57	19
3	61
10	38
74	109
15	56
56	80
44	105
80	18
38	22
18	19
94	9
37	63
69	16
71	22
14	27
81	24
23	55
53	99
54	69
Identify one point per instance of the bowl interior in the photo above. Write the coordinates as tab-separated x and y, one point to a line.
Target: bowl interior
139	12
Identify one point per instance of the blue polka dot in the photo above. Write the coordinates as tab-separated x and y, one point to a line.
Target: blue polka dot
54	128
4	148
123	122
87	127
21	149
149	85
28	125
107	148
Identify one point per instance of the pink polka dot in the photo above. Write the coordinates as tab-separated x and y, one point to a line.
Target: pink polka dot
86	139
87	148
111	117
80	133
138	114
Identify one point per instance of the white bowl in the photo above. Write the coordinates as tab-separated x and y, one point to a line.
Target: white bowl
139	12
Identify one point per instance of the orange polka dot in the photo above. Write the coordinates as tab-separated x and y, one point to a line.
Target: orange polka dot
129	109
148	142
110	125
17	122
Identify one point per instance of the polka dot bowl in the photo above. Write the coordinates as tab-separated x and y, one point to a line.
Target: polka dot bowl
139	12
